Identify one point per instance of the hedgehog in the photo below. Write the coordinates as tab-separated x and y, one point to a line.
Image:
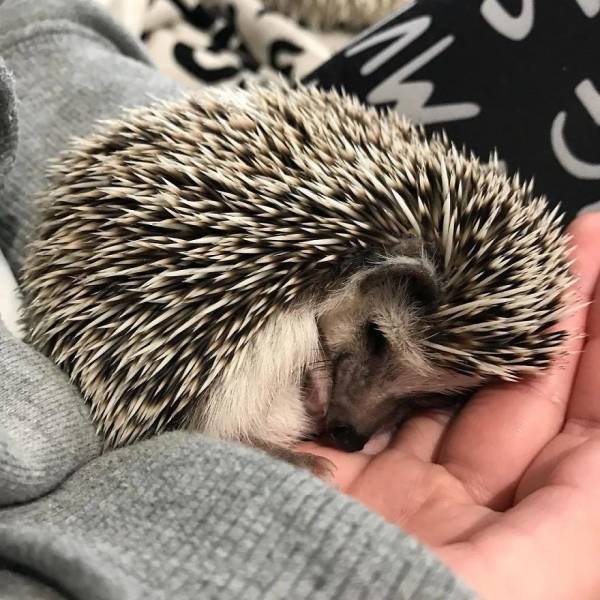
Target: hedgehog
327	15
272	264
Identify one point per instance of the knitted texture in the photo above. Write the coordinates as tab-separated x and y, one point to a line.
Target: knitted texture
45	428
181	517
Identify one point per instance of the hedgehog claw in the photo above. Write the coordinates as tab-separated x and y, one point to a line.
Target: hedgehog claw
319	466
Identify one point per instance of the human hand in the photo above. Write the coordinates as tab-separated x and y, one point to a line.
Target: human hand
507	492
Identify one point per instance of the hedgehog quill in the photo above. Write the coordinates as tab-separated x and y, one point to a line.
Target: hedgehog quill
263	265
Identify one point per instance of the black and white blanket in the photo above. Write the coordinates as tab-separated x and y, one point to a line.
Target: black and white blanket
517	76
226	42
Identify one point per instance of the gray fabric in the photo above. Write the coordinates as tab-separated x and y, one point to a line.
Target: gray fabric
180	516
45	429
14	586
62	56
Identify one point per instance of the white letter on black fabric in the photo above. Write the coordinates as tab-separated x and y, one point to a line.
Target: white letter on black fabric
410	97
590	98
514	28
590	7
403	34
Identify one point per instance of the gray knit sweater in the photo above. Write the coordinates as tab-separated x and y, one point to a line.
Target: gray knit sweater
180	516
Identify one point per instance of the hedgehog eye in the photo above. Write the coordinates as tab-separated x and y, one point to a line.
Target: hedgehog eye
376	342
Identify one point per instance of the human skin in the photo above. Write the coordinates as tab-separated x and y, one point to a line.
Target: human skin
506	492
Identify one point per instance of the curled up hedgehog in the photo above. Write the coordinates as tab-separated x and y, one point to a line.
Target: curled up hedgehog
269	264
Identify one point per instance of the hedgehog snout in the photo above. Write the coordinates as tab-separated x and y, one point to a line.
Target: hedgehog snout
346	438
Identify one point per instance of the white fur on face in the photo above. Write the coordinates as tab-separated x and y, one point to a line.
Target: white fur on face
259	398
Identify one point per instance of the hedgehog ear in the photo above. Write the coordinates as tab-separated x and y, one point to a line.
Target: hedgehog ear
416	274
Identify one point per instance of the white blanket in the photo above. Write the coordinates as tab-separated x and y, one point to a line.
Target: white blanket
10	300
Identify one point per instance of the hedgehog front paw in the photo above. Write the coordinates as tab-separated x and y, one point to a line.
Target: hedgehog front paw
320	466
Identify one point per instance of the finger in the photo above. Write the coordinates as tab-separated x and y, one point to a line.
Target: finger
543	469
584	407
501	430
556	526
583	413
421	435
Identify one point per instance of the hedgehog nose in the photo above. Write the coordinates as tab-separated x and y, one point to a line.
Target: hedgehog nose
346	438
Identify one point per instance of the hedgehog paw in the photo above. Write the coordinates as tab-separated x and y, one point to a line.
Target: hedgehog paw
320	466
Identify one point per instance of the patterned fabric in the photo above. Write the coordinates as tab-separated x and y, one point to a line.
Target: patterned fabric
519	76
224	42
516	76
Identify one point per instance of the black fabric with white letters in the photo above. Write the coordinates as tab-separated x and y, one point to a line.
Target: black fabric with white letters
522	76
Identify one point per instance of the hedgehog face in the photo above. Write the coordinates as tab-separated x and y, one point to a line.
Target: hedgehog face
375	369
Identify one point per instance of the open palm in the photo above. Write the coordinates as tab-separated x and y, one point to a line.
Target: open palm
508	491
